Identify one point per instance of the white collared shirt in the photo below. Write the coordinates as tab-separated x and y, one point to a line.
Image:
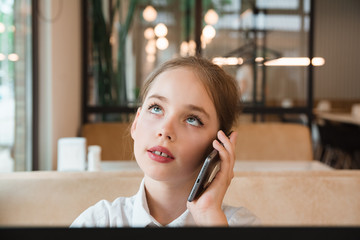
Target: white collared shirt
134	212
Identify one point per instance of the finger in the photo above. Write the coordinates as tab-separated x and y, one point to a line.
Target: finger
227	141
225	175
229	144
232	156
226	160
233	140
222	137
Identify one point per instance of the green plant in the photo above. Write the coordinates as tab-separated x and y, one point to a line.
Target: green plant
111	82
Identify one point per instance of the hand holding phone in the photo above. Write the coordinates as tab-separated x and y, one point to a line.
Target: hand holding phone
209	169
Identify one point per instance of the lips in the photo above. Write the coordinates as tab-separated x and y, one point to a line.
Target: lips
160	154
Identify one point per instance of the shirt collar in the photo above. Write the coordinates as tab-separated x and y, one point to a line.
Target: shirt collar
142	218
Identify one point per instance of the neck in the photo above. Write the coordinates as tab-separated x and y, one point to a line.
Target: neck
166	200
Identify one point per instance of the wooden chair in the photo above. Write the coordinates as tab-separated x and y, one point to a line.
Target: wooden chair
273	141
113	138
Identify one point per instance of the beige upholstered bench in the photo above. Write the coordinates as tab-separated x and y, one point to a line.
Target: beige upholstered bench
301	198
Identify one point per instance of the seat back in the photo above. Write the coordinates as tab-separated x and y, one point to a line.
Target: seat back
273	141
113	138
294	198
289	198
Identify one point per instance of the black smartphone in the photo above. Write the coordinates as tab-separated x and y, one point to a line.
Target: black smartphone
208	171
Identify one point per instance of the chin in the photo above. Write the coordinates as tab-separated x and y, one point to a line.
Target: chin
160	176
156	171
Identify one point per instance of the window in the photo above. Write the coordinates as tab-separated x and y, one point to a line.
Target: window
15	85
124	41
253	40
266	50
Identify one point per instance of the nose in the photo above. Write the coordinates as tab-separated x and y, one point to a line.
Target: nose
167	130
167	136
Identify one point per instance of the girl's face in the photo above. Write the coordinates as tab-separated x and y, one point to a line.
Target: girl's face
174	127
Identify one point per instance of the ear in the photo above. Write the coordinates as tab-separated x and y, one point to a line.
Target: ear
133	125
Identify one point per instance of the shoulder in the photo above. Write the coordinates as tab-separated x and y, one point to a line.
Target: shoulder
240	216
106	214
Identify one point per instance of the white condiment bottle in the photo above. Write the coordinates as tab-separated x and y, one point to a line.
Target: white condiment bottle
94	158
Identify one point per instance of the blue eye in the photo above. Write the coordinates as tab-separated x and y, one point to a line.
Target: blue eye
195	121
155	109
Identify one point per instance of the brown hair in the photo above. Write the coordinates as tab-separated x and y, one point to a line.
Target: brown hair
221	87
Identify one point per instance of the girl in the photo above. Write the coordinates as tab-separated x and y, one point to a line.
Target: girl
186	104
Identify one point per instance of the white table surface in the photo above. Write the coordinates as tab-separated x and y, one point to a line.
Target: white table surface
239	166
338	117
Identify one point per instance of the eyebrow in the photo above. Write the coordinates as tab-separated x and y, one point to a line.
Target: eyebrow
188	106
198	109
162	98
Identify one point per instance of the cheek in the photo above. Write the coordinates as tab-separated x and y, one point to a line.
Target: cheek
194	152
140	133
144	125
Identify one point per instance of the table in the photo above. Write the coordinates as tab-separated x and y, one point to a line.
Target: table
240	166
338	117
339	135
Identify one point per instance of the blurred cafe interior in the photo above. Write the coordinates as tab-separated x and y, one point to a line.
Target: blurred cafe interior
71	73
